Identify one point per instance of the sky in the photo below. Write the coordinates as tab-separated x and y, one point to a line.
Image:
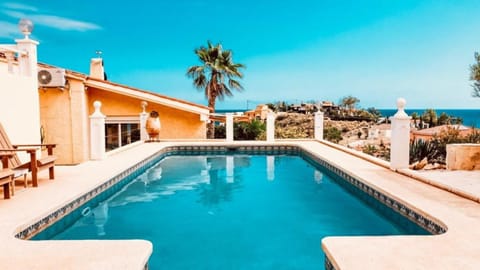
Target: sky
294	51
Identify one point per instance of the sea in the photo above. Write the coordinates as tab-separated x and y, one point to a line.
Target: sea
470	117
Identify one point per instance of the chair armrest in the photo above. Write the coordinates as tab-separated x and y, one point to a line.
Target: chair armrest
7	155
17	150
35	145
49	146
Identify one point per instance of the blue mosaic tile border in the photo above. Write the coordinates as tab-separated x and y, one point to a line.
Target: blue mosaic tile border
328	264
234	149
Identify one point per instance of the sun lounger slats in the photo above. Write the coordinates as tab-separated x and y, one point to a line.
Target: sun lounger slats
9	157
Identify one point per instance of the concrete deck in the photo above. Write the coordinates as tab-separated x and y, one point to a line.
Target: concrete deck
458	248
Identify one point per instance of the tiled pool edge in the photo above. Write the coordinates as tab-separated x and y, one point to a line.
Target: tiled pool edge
136	169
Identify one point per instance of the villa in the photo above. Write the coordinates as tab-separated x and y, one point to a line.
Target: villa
439	210
65	103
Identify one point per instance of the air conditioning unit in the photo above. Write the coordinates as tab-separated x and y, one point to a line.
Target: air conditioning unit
51	77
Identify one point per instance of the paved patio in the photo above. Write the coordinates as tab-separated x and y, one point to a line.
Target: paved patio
458	248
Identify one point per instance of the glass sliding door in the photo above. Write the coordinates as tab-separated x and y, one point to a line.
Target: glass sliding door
121	131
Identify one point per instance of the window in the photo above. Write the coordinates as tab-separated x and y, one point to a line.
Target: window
120	131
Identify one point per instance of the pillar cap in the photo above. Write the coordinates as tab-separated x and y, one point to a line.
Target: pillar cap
401	102
97	113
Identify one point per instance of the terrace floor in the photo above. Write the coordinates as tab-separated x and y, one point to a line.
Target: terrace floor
458	248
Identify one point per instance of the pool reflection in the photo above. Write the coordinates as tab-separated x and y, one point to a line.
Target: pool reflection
224	179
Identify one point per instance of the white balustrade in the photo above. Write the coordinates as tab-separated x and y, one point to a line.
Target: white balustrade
400	138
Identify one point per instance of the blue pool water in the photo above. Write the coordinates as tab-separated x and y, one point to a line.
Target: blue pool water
233	212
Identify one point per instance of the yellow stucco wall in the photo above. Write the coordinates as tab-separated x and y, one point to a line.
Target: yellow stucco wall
176	124
64	114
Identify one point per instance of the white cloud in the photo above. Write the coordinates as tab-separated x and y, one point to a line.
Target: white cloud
52	21
14	14
8	30
63	23
19	6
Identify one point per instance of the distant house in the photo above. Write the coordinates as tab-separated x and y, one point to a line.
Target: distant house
259	113
328	105
382	131
430	133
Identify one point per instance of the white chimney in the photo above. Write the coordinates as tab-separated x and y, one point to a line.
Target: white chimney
96	69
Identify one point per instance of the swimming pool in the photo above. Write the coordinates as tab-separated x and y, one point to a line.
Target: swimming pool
239	211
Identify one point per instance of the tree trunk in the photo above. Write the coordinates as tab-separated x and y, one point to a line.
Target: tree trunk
211	124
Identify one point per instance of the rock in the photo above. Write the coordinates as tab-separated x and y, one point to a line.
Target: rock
420	165
413	165
429	166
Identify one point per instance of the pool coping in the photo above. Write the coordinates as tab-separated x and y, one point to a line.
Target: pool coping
329	244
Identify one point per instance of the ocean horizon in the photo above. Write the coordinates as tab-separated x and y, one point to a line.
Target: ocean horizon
470	117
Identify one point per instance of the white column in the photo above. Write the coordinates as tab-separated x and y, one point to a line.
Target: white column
143	122
229	127
400	138
28	62
271	127
318	126
97	133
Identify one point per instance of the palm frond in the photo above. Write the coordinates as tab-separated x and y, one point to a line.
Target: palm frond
200	81
193	71
235	85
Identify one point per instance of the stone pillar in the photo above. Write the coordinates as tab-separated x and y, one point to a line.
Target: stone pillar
143	122
400	138
28	61
229	127
97	133
318	126
463	156
271	127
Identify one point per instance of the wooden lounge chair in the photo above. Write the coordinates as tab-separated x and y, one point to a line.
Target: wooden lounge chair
8	154
6	180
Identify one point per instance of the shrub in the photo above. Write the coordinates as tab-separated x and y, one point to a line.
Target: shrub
332	134
220	132
254	130
432	150
248	131
370	149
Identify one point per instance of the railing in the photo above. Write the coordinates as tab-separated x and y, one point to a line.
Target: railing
11	54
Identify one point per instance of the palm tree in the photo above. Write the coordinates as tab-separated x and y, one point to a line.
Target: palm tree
216	76
349	102
430	116
414	118
475	76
